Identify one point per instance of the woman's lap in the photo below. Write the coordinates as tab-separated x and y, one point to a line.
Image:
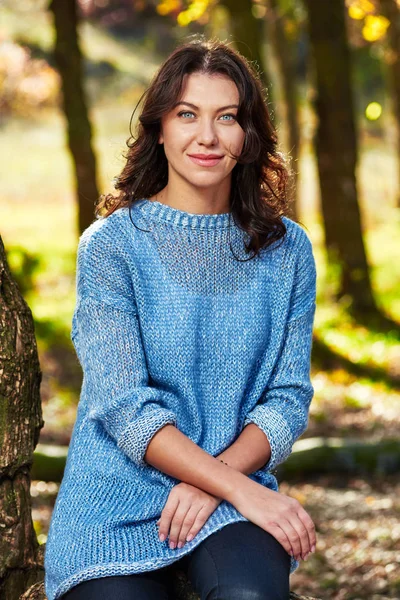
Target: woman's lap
239	561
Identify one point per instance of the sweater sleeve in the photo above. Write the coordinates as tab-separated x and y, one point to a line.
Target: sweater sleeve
107	339
282	411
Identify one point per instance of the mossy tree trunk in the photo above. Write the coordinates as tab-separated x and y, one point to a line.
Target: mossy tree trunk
68	59
336	148
20	424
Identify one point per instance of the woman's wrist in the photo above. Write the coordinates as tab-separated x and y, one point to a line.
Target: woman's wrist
236	480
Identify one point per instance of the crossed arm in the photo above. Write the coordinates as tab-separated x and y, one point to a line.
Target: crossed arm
174	453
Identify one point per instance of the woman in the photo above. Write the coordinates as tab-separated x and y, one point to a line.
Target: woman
193	326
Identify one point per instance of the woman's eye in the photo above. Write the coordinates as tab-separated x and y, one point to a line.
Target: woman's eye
230	115
185	112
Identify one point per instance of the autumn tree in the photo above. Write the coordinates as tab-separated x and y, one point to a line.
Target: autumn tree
68	59
337	152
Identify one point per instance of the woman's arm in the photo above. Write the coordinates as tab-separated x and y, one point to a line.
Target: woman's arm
249	452
282	411
172	452
281	414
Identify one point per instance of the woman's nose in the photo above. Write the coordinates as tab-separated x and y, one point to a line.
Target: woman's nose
206	133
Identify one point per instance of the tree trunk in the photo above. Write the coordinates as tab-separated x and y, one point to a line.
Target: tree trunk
284	52
391	10
248	38
68	58
336	147
20	424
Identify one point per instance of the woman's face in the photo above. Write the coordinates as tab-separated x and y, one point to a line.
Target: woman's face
203	123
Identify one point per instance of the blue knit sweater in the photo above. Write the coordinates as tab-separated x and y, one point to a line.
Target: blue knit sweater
170	327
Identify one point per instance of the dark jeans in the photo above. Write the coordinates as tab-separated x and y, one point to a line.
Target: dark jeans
240	561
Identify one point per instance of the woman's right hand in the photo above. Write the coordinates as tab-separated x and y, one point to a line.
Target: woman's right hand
282	516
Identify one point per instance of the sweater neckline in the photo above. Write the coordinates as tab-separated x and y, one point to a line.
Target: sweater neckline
163	212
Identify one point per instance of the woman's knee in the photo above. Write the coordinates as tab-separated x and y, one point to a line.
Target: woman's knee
241	562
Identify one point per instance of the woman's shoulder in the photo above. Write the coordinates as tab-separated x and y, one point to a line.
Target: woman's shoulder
296	236
106	234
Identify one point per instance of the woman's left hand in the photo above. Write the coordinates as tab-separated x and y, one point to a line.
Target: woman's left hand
186	511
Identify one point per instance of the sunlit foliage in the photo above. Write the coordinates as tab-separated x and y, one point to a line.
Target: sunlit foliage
358	9
26	83
185	12
374	25
373	111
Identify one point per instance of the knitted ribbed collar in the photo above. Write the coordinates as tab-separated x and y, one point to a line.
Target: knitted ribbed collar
163	212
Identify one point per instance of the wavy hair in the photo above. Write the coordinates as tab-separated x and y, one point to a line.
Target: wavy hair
259	186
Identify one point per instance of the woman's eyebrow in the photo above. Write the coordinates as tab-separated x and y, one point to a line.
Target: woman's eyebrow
196	107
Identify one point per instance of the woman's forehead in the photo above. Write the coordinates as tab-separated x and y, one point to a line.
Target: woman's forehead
220	90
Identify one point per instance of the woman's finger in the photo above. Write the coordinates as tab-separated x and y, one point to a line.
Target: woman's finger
309	524
199	521
176	523
188	523
302	534
292	536
166	516
280	535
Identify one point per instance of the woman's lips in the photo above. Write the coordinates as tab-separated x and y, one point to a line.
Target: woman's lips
205	162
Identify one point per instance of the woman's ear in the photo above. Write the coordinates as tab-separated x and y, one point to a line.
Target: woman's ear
160	138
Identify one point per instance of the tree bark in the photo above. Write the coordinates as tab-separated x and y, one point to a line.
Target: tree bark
391	10
20	424
336	148
284	52
248	38
68	59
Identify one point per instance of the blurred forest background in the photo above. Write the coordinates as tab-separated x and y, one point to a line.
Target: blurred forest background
71	74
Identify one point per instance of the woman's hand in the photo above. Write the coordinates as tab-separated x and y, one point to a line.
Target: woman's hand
186	511
282	516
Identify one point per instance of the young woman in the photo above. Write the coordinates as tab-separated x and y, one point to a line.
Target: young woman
193	326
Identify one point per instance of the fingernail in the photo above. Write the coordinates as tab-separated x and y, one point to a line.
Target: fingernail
180	544
172	545
306	556
189	537
313	548
162	537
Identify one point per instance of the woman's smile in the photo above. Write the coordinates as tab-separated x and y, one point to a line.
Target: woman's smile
205	160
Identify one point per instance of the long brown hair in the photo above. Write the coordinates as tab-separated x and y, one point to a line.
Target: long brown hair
259	190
